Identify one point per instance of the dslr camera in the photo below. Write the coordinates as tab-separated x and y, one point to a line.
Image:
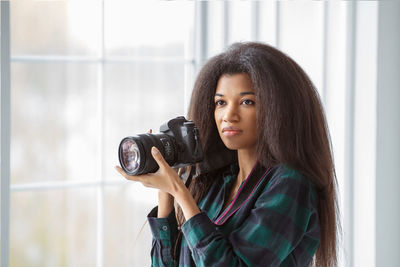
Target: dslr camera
178	142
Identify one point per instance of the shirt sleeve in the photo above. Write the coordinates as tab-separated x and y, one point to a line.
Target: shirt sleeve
278	223
164	231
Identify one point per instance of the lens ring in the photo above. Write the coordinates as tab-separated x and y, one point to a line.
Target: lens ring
130	155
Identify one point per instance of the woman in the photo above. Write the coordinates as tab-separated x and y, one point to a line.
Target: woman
257	103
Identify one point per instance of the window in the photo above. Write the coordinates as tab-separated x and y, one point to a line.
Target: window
83	76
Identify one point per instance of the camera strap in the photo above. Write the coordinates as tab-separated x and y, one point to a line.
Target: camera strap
190	176
256	176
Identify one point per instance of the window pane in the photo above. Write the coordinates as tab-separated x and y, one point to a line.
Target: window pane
216	27
148	28
54	122
139	97
240	23
55	27
53	228
126	210
267	25
301	36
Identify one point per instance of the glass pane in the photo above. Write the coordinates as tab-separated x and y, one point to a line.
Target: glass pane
54	118
53	228
55	27
139	97
267	26
148	28
240	23
301	36
126	210
216	27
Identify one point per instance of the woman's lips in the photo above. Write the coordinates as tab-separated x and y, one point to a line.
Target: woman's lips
231	131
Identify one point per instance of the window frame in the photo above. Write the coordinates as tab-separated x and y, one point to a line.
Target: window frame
5	131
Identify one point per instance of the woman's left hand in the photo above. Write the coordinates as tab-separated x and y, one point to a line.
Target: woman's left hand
166	179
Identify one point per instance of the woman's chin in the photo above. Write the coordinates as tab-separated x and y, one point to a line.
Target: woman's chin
236	146
231	146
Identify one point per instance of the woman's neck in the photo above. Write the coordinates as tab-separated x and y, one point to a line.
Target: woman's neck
247	158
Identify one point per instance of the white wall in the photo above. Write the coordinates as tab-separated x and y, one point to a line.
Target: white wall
388	136
365	75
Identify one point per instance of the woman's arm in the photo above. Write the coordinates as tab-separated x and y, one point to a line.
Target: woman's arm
164	226
165	204
165	232
186	201
168	181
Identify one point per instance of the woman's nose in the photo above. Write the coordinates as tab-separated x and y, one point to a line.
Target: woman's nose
231	113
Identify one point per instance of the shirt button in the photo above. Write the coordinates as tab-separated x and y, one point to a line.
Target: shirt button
165	228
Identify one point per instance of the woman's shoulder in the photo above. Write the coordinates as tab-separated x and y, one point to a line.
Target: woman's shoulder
284	171
286	177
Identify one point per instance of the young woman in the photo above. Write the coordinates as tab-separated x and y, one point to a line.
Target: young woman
275	203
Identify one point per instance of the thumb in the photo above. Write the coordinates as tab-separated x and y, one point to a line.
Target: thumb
158	157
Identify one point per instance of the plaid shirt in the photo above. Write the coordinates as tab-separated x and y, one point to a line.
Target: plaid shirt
277	225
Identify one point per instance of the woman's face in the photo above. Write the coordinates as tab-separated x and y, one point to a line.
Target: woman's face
235	111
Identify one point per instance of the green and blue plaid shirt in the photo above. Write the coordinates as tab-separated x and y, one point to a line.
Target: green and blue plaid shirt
277	225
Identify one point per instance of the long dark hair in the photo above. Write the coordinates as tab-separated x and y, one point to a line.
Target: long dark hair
291	125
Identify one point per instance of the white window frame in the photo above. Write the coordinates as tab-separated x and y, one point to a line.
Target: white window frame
5	131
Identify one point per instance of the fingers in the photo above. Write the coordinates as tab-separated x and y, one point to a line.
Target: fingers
150	131
127	176
143	179
158	157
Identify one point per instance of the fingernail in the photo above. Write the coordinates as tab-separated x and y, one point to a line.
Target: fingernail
154	150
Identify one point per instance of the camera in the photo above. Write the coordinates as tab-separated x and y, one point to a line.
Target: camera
178	142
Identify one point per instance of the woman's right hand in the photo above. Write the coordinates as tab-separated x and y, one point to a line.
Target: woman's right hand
165	201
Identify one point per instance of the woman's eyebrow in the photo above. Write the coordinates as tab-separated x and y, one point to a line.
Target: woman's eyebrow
247	93
242	93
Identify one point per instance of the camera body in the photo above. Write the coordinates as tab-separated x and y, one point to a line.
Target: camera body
186	140
178	142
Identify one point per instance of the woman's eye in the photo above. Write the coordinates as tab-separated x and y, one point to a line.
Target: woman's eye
248	102
219	102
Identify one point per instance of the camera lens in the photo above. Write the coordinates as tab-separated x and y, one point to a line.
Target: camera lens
135	152
130	155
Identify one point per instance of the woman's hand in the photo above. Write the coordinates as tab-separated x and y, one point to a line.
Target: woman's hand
166	179
165	200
